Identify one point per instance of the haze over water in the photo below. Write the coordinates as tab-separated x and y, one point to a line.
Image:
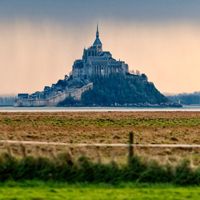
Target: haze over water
41	39
98	109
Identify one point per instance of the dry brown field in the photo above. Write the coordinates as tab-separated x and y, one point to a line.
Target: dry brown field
105	127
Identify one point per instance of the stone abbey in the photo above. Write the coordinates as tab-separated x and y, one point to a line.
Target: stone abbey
96	62
97	80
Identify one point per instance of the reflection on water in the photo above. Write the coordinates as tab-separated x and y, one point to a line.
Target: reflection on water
94	109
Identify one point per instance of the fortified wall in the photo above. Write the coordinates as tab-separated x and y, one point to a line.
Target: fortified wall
54	100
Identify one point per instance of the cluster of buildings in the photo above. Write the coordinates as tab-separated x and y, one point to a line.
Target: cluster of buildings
94	62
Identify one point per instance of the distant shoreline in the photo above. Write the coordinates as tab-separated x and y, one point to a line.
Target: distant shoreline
100	109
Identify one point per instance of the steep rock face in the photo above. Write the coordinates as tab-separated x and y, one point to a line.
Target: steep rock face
118	90
123	90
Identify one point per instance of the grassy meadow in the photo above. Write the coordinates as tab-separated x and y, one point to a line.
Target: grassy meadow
32	190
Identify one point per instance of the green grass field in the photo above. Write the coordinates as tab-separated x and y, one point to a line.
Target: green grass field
34	190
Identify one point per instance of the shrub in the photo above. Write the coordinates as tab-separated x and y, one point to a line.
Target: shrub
63	168
184	174
134	169
8	167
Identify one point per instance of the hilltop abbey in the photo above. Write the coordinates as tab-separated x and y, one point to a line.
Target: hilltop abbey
96	62
97	80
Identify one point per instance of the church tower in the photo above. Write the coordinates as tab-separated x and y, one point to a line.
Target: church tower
97	43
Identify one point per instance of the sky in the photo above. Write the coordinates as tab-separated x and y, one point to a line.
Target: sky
39	40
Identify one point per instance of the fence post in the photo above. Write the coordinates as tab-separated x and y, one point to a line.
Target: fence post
130	147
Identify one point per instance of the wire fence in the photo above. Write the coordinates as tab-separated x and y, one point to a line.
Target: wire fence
101	151
100	144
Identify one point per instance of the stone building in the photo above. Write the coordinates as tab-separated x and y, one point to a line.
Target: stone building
96	62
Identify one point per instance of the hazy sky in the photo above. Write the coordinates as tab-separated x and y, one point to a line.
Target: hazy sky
40	39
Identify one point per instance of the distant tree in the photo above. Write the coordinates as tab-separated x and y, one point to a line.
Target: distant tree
7	100
187	99
137	72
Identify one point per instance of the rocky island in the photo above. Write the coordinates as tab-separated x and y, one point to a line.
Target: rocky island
98	80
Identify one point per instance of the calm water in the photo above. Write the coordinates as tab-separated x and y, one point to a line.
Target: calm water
93	109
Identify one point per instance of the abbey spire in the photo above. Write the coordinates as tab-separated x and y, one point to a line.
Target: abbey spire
97	43
97	32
